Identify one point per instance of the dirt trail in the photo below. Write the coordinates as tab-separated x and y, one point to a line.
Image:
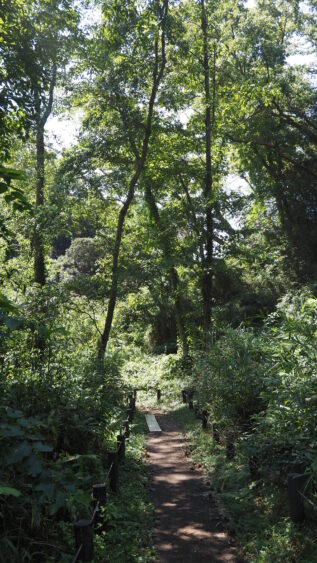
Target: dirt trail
189	528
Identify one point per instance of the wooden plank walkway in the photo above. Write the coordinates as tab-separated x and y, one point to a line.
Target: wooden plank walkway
152	423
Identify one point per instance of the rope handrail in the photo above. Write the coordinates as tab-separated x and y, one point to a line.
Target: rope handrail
95	512
109	471
78	553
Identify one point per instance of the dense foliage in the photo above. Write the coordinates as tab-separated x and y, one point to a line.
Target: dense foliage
172	241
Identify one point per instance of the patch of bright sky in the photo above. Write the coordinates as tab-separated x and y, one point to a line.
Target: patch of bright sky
62	130
235	183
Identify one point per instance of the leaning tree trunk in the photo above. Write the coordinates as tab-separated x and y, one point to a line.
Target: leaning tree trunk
207	191
157	77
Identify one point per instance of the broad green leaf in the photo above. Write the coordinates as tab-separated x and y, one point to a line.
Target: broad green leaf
9	491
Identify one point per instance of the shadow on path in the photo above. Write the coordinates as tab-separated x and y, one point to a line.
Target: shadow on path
189	528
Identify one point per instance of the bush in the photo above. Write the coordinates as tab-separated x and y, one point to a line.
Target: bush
230	377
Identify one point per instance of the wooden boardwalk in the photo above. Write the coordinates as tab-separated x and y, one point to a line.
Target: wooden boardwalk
152	423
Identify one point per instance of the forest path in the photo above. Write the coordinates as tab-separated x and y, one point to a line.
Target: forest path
188	526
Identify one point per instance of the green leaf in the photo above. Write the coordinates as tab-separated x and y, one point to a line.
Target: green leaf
11	431
6	306
29	422
33	466
60	501
13	413
40	447
82	498
11	173
47	488
10	491
18	453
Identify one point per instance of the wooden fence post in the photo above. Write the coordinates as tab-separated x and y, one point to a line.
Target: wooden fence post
253	467
215	433
190	400
121	447
158	394
83	530
126	428
295	485
204	419
135	393
230	449
99	493
114	471
132	403
184	396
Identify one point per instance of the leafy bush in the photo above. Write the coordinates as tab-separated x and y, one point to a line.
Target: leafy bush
287	428
230	377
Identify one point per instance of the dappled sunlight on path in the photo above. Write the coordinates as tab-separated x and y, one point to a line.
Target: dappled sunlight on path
188	527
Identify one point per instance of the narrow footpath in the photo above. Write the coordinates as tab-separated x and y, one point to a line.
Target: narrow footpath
189	527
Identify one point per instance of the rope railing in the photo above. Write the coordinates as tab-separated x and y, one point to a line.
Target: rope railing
84	529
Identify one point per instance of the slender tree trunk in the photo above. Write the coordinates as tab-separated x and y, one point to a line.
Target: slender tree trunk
209	227
41	119
179	316
177	298
42	115
157	77
39	264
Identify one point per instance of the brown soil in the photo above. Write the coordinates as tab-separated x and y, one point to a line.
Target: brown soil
189	526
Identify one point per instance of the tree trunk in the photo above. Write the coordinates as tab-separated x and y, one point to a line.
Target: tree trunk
41	119
209	117
39	264
179	310
157	77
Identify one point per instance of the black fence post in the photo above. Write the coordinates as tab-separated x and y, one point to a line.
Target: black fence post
126	428
83	530
130	414
230	449
114	470
190	400
158	394
204	419
99	493
295	485
184	396
253	467
132	403
121	447
135	393
215	433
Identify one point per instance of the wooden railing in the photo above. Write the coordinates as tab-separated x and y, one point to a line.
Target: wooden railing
84	529
295	478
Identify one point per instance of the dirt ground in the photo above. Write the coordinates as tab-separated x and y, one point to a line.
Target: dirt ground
189	527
